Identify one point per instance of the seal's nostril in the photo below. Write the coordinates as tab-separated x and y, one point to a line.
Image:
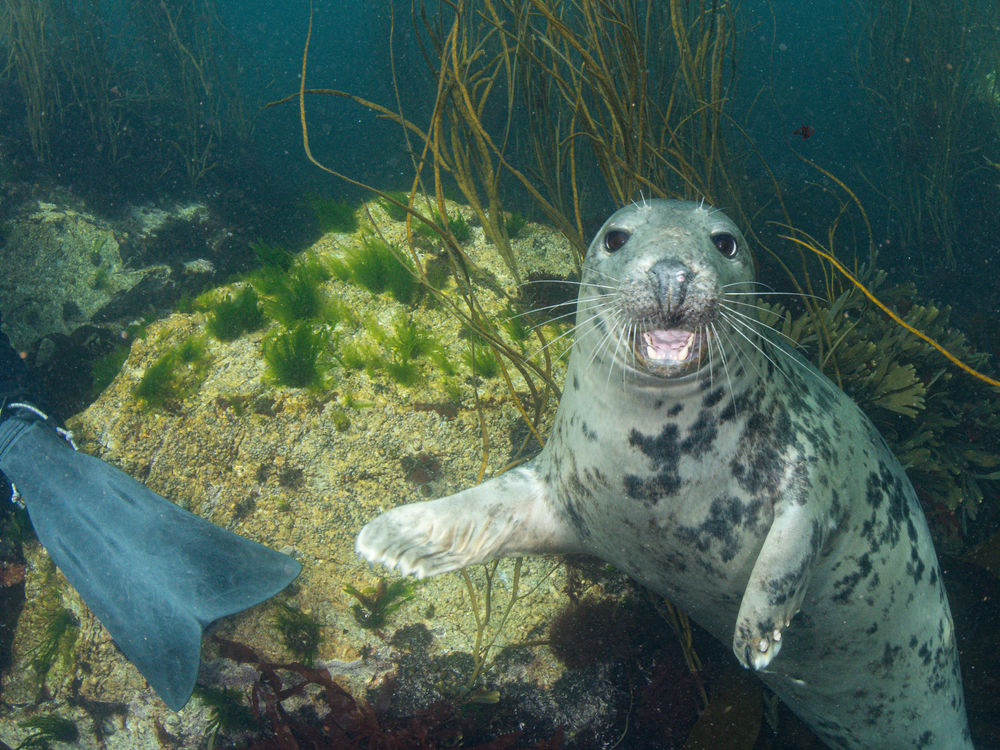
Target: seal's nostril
670	279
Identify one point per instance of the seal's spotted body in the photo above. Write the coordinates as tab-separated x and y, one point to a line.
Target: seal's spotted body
732	478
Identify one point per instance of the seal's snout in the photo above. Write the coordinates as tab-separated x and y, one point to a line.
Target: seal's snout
670	279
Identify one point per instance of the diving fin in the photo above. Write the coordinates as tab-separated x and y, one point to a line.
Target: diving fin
154	574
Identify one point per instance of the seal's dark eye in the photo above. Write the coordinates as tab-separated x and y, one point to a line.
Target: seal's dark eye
725	243
614	240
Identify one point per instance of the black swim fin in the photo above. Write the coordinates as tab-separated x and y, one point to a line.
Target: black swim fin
154	574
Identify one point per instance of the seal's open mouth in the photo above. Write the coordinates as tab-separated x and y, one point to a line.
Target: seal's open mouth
673	346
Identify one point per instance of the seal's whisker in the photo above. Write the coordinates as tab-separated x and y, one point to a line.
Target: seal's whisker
756	322
725	367
624	334
709	336
797	359
592	309
702	334
554	319
608	333
746	362
568	332
575	330
631	335
567	303
761	329
612	330
624	331
750	330
592	312
570	282
803	295
777	348
611	287
637	326
747	282
740	327
591	269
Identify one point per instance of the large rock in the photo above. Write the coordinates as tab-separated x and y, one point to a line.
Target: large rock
66	268
302	471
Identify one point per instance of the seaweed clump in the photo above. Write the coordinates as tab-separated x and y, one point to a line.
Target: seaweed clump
231	317
376	603
405	345
296	294
300	632
57	642
296	357
398	352
227	713
391	203
106	368
458	225
175	374
514	223
482	360
272	256
345	721
378	267
49	728
333	215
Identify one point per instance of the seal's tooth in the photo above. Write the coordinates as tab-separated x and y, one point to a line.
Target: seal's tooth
686	351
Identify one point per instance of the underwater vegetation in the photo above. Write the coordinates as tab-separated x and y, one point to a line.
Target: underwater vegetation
296	294
515	325
482	360
272	256
174	375
56	642
355	355
480	357
377	267
296	357
930	415
231	317
104	369
46	729
376	603
405	344
228	712
343	721
340	420
300	632
458	225
101	280
514	223
395	352
395	212
333	215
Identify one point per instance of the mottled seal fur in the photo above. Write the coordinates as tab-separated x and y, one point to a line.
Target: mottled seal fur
718	469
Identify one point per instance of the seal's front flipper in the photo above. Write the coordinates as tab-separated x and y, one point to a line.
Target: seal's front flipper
508	515
777	585
153	574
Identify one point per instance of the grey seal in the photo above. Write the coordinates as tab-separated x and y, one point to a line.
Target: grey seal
717	468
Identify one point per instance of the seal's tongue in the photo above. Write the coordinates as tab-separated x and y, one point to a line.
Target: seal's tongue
673	345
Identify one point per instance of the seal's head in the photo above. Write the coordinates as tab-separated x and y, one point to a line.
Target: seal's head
654	284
